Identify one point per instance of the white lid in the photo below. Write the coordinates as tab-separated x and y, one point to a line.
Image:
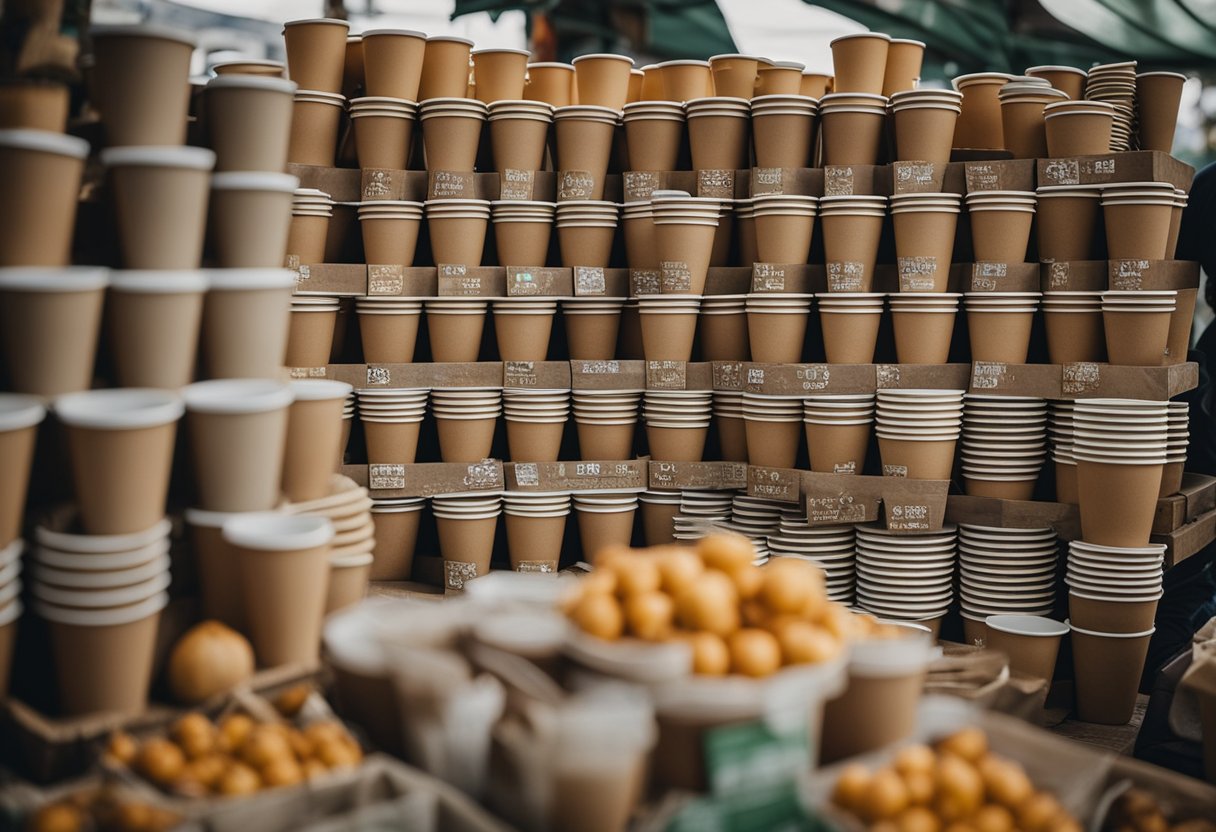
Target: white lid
501	50
119	409
250	62
254	180
318	389
51	279
237	279
142	30
45	141
212	519
194	158
237	395
18	412
252	82
109	617
155	281
272	531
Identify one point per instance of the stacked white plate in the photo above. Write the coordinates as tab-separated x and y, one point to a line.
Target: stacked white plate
905	577
1006	571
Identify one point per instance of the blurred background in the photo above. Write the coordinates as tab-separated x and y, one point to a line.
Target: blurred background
961	35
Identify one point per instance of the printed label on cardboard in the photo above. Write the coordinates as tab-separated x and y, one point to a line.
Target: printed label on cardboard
838	180
537	282
458	281
718	184
451	184
846	276
460	374
1061	171
608	375
457	573
710	476
640	185
755	377
516	184
307	372
916	274
589	281
768	277
981	177
767	181
987	276
887	376
1080	378
575	184
385	280
728	375
519	374
645	282
666	375
779	484
895	470
537	375
527	474
918	177
908	517
676	277
378	376
1099	169
988	375
833	500
849	467
1058	275
540	567
377	184
385	477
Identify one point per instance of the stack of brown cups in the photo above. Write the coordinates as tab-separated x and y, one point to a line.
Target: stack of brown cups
536	420
445	68
772	425
585	231
451	132
783	130
140	83
384	131
605	420
311	211
592	327
1112	600
390	231
251	215
1022	102
454	327
154	326
717	132
685	228
1180	203
1073	322
924	124
536	527
551	83
248	121
347	507
654	132
1000	224
466	419
659	508
999	325
310	339
924	239
776	326
42	172
1060	434
669	326
391	421
1005	571
1176	443
677	423
1078	128
519	131
246	322
101	596
1067	79
838	431
1004	445
1120	448
641	243
457	229
918	431
1137	326
522	327
1068	218
785	227
584	146
19	420
724	334
1115	84
924	325
499	74
851	228
779	77
1158	95
397	521
849	321
903	66
467	524
605	519
521	231
745	222
1138	217
979	124
315	118
253	66
906	577
728	418
851	124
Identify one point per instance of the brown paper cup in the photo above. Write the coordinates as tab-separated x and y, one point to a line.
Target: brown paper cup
49	325
772	444
246	319
392	62
314	430
917	460
850	337
1074	336
522	337
1107	671
456	337
396	538
518	143
140	78
1158	95
445	68
1136	339
9	613
603	80
1000	236
466	546
860	62
874	712
1137	231
925	133
851	137
391	442
533	541
34	105
999	336
311	337
450	140
1066	227
922	337
248	121
316	53
390	240
284	576
1179	339
1031	643
676	444
668	337
585	245
584	145
603	530
383	139
154	324
465	440
314	128
596	441
534	441
251	218
458	240
499	74
904	58
724	337
734	76
776	338
1078	134
348	577
979	125
654	143
1111	615
718	142
783	140
784	238
552	83
592	337
685	248
1024	128
218	568
837	449
389	339
1117	502
41	172
658	522
19	420
850	242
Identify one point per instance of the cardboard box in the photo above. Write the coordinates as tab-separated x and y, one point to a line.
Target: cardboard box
900	503
1197	496
1073	276
582	475
1000	175
702	476
1107	168
1014	514
348	279
428	479
1191	538
1082	381
780	278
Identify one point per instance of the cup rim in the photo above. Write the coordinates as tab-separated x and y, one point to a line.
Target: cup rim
277	532
167	156
54	278
19	411
253	180
1096	634
251	82
111	616
44	141
118	408
234	395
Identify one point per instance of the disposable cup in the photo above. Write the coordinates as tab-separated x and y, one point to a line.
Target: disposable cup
519	131
383	132
1107	670
1067	79
250	218
455	329
903	65
1137	228
734	75
602	80
248	121
592	327
923	336
552	83
315	118
1117	500
1078	132
851	135
19	420
499	74
860	62
154	320
717	133
316	52
458	238
445	68
779	78
140	83
34	105
979	124
392	62
314	429
246	317
42	172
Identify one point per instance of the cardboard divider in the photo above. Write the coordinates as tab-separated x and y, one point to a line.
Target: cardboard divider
608	375
901	504
536	375
679	375
1003	277
596	282
1001	175
1083	381
701	476
1073	276
581	475
1131	166
427	479
778	278
807	379
1188	540
1015	514
1197	496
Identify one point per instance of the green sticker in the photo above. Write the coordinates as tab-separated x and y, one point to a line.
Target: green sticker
752	756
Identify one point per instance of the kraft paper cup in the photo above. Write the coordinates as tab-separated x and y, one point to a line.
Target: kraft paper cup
246	318
654	132
311	335
850	326
773	430
717	132
1114	614
218	567
353	69
1107	670
584	137
1158	95
641	239
314	431
49	325
1068	217
585	231
924	124
779	78
724	333
1074	327
1067	79
552	83
903	64
837	443
383	131
1124	516
390	231
316	52
248	121
776	326
457	230
1180	203
155	319
602	80
114	647
454	328
1000	225
500	74
34	105
284	574
999	327
1137	228
734	76
860	62
658	509
445	68
604	520
923	331
519	131
251	66
396	537
250	218
684	237
140	83
315	115
451	132
238	432
851	133
1137	326
536	526
121	446
851	227
19	420
979	124
522	328
686	80
392	62
784	227
388	329
42	173
161	198
349	572
467	525
924	239
783	130
669	324
1078	128
592	327
466	426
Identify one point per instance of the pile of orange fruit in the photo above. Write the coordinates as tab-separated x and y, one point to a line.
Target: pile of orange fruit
958	785
737	617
